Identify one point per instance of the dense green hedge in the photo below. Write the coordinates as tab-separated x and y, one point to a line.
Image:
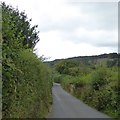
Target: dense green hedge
26	79
26	87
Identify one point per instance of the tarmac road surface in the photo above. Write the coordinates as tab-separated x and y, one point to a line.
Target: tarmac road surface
67	106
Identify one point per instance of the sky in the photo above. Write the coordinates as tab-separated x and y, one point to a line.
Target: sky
70	28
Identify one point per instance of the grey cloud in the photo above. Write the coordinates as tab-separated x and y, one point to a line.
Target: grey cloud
104	15
100	16
101	41
66	25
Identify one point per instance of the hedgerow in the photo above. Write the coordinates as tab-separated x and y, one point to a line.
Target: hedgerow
98	87
26	80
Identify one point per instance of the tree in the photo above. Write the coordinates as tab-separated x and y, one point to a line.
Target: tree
69	67
17	29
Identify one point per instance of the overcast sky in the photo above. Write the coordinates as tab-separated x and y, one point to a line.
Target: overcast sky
71	28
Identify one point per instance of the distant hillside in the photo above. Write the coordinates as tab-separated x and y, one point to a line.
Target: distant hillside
88	59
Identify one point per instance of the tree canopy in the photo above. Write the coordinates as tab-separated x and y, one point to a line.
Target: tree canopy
17	29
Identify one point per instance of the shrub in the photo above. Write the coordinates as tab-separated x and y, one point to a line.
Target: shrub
99	78
27	91
57	78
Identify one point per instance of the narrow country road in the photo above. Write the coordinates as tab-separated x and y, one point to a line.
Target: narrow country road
67	106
